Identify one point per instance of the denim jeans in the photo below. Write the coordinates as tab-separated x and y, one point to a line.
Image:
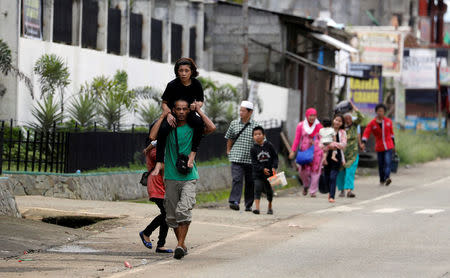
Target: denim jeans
330	179
384	164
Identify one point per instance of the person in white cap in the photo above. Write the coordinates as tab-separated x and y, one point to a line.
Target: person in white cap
239	142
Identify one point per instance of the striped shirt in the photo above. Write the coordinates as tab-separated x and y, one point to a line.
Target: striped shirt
240	152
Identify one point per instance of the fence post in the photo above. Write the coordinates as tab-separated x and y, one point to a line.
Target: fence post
95	126
46	150
52	151
40	150
10	143
33	158
2	131
26	150
18	150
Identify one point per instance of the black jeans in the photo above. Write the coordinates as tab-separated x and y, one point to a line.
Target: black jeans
238	172
158	221
263	185
194	120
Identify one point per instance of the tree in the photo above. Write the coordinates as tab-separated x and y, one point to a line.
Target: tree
53	74
6	66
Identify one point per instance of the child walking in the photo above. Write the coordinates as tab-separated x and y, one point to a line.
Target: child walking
264	164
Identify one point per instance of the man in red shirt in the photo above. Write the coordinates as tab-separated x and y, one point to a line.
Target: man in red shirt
382	129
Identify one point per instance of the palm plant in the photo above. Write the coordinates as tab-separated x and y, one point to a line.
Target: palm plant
111	110
53	74
148	112
46	114
83	110
6	66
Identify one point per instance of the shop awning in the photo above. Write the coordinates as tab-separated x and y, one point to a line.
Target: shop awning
334	42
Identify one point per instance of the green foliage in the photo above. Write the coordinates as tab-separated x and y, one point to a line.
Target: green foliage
5	58
149	112
6	66
83	110
53	73
45	114
418	147
112	110
220	102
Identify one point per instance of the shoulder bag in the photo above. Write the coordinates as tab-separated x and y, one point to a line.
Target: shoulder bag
182	160
306	156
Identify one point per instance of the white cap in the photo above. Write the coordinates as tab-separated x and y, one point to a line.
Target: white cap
247	104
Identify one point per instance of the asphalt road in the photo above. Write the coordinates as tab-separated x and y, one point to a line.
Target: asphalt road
398	231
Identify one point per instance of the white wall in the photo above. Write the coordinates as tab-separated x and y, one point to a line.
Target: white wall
84	64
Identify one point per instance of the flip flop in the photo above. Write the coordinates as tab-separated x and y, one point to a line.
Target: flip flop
159	250
146	243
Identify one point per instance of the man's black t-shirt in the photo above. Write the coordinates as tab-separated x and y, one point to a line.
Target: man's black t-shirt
175	90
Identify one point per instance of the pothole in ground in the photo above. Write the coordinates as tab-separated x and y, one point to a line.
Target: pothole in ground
74	221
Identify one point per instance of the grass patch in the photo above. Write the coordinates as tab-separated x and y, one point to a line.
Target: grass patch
421	146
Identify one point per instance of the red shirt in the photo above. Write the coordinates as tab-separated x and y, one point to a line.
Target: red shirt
383	135
155	184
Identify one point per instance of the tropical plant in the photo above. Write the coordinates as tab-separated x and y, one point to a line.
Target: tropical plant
83	110
112	110
6	66
46	114
53	74
148	112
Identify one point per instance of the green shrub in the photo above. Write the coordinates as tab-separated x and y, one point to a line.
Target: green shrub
418	147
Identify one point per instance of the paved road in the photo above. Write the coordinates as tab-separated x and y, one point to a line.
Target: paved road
398	231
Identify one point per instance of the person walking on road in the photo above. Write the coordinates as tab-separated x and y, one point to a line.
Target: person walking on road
306	135
156	191
332	167
239	142
180	179
383	130
265	163
346	177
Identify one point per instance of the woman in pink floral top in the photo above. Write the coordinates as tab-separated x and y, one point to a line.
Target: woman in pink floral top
307	133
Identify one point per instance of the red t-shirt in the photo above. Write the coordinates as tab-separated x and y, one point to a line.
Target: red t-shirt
155	184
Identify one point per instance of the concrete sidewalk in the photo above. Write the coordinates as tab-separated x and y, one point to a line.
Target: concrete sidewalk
101	249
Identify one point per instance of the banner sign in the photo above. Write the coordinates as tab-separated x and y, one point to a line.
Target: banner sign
366	93
381	47
419	69
32	24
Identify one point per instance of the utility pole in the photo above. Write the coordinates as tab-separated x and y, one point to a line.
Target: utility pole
245	42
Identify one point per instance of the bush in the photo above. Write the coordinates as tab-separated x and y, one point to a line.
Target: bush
418	147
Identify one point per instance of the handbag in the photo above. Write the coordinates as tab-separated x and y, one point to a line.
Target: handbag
144	178
323	185
182	160
306	156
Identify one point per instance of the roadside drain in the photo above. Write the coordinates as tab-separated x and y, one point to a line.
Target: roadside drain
74	221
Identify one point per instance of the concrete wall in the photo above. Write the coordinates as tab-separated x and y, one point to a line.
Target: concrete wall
8	204
85	64
225	32
105	187
9	30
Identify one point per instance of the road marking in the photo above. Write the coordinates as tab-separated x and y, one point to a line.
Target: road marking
384	196
436	181
429	211
338	209
387	210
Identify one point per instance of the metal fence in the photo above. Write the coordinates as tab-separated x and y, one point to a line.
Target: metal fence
33	150
68	150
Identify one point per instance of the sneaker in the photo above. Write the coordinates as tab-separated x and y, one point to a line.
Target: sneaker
179	253
388	181
248	209
256	211
234	206
269	211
